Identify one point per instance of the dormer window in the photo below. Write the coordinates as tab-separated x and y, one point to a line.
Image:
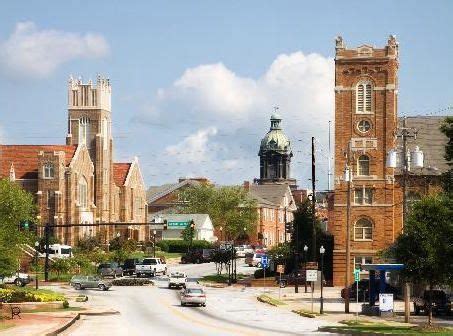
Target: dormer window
49	171
363	104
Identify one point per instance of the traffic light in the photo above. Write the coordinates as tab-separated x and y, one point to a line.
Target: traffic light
289	227
24	225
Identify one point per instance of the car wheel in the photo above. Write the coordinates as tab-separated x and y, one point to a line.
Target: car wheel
77	286
183	304
102	287
18	282
204	304
282	284
416	310
165	272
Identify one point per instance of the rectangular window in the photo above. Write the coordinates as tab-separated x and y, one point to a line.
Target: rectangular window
368	98
360	93
363	196
361	260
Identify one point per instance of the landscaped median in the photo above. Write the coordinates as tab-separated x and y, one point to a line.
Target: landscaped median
270	300
362	327
218	280
28	299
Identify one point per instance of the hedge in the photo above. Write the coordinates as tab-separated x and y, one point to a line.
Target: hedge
259	273
131	282
181	246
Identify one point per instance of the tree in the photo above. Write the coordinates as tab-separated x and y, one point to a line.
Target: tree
426	244
228	207
60	266
447	177
89	243
188	233
16	206
303	229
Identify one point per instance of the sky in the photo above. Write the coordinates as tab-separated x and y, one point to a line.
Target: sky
194	82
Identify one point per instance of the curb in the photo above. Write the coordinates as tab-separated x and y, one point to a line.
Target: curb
304	314
77	317
211	284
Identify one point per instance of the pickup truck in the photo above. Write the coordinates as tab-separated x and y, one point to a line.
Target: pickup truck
150	267
440	302
19	279
177	279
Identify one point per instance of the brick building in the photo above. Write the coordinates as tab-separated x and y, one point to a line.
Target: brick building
366	122
79	182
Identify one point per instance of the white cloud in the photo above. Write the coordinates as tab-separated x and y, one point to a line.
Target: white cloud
239	108
194	147
33	52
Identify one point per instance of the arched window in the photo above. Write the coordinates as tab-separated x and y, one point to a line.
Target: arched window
363	229
83	192
363	165
48	170
364	98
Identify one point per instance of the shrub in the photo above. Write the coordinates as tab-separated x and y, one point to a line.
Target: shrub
131	282
65	304
24	295
259	273
181	246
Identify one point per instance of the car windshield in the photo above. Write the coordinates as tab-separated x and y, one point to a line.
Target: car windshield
195	291
149	262
178	276
65	251
258	255
104	266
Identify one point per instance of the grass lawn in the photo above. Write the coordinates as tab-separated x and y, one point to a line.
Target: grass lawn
367	327
222	278
270	300
54	310
5	325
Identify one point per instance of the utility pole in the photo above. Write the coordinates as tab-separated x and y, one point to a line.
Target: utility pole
348	178
313	198
46	242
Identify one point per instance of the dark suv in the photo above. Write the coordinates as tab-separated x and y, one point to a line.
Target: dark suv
129	266
440	302
197	256
110	269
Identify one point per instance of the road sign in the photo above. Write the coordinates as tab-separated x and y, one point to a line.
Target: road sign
280	268
264	261
356	275
312	275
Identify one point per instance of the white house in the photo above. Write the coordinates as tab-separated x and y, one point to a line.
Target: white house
176	223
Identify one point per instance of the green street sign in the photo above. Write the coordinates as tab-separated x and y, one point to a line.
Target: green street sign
182	224
356	275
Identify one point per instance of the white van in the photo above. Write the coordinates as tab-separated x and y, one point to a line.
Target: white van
60	251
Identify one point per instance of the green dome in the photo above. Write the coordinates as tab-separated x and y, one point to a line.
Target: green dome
275	139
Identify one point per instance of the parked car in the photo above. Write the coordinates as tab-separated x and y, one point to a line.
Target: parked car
177	279
197	256
129	266
364	290
195	296
60	251
290	279
440	302
150	267
110	269
19	279
240	252
89	281
253	259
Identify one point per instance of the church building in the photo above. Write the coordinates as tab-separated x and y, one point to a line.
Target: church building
79	183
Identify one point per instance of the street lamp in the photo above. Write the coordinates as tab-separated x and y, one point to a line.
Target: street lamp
322	250
192	226
154	243
36	264
305	266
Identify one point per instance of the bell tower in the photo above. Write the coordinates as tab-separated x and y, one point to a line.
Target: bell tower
366	97
89	124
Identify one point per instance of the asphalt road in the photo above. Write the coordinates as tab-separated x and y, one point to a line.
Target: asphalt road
156	310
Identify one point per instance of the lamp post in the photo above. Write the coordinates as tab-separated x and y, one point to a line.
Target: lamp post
154	243
305	266
321	251
192	226
36	264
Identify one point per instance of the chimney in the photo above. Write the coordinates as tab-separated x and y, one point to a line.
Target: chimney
247	185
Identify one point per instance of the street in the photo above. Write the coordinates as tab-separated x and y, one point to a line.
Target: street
156	310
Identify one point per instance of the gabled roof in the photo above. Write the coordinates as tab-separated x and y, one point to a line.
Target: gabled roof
156	192
120	171
269	194
24	158
431	142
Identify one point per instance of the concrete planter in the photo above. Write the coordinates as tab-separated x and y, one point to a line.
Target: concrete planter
29	306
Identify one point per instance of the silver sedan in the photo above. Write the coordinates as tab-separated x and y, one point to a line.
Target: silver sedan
194	296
